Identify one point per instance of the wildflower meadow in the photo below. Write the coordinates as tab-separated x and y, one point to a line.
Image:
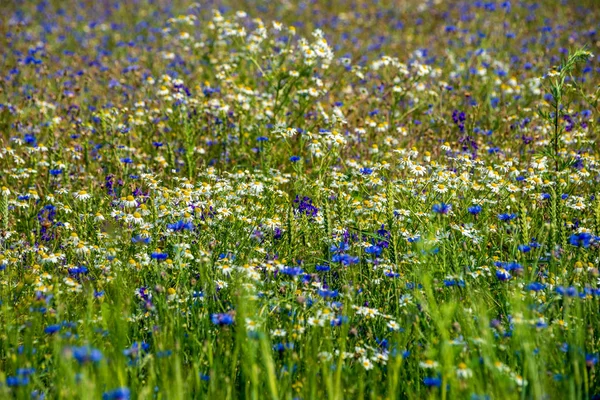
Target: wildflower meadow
315	199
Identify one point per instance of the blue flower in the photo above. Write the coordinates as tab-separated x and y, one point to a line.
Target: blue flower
117	394
141	239
86	354
474	209
181	225
375	250
304	206
506	217
569	292
524	248
76	271
292	271
432	381
345	259
454	282
328	294
135	349
294	158
535	286
25	371
342	247
159	256
503	274
13	381
323	268
441	208
222	319
51	329
582	239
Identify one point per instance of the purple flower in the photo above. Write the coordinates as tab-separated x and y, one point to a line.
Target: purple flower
304	206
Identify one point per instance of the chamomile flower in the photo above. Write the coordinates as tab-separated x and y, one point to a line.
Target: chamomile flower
82	196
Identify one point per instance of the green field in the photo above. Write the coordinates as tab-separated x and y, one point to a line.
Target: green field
299	200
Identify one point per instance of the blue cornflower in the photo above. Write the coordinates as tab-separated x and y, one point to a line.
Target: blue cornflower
541	324
328	294
569	291
432	381
375	250
304	206
141	239
572	291
13	381
25	371
345	259
55	172
535	286
222	319
86	354
135	349
323	268
294	158
503	274
292	271
76	271
441	208
159	256
582	239
117	394
51	329
181	225
506	217
342	247
476	209
454	282
524	248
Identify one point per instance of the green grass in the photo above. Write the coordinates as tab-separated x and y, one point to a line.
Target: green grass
388	201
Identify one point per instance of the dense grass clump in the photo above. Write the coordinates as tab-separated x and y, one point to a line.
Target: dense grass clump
299	200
